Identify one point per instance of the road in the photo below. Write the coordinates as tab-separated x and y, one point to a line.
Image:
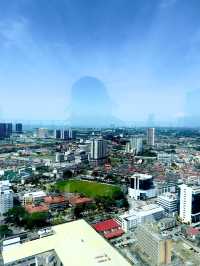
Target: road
197	249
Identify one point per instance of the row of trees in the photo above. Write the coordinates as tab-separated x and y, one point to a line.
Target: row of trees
5	231
102	203
20	217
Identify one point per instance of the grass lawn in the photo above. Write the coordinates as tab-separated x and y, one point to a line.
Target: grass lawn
88	188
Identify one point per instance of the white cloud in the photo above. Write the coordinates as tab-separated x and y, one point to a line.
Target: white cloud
14	32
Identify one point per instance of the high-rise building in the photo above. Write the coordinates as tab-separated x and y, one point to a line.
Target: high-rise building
68	134
98	149
5	130
57	134
2	130
151	136
189	203
65	134
9	129
6	197
141	187
19	128
153	247
136	144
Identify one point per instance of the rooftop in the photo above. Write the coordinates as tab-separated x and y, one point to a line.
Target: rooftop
36	208
106	225
77	200
35	194
114	234
73	242
193	231
54	200
168	196
142	211
141	176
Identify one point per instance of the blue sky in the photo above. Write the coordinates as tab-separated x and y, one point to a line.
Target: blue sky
146	52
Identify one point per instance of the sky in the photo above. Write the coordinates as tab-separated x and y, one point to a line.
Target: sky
145	52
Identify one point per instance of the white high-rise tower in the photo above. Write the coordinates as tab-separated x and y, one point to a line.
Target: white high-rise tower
151	136
98	149
6	197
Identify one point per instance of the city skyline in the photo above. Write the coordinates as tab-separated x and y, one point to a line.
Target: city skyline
146	54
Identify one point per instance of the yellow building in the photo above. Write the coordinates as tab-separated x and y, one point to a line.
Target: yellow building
152	246
71	244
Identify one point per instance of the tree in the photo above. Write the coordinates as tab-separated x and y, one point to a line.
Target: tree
16	215
95	173
67	174
105	202
37	219
19	216
78	210
5	231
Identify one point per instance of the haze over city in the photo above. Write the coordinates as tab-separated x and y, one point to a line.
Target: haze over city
99	132
146	53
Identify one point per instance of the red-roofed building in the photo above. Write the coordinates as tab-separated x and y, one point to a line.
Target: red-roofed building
109	228
31	208
56	202
77	200
116	233
192	232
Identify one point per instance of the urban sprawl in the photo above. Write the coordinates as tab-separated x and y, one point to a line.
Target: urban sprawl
111	196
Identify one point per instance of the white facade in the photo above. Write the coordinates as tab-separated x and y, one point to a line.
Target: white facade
168	201
6	197
151	136
136	145
141	215
136	193
185	203
136	189
33	196
164	157
98	149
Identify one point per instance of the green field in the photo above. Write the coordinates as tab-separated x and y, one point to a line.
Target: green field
88	188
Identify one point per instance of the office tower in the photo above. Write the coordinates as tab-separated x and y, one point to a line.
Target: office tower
169	202
72	134
2	130
128	147
9	129
5	130
6	197
141	187
64	134
19	128
189	203
68	134
98	149
153	247
57	134
151	136
136	145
